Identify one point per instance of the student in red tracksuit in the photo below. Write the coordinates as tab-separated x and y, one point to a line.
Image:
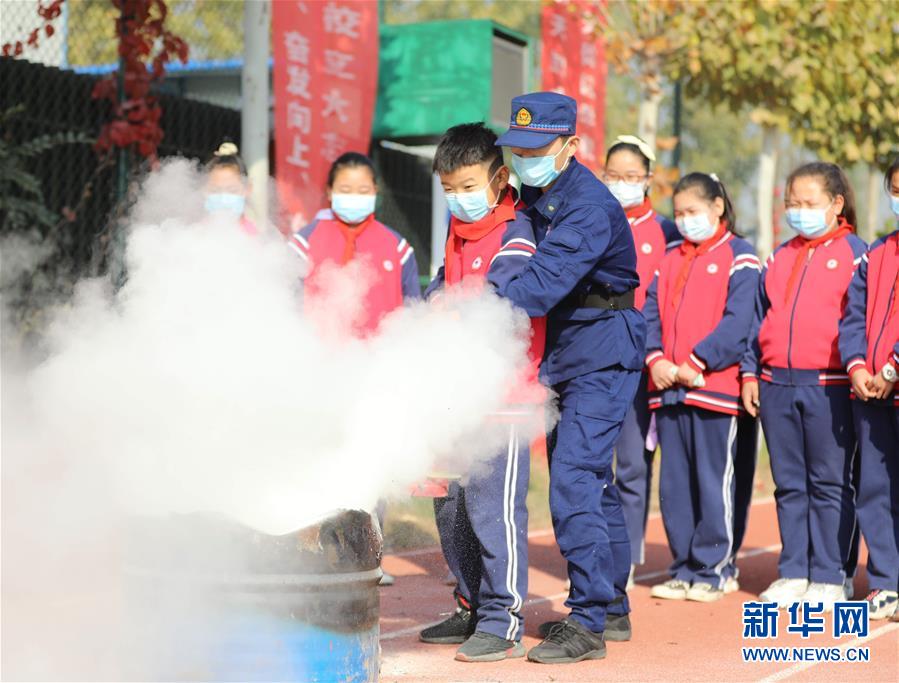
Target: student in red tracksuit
869	347
628	173
803	396
351	231
483	522
699	312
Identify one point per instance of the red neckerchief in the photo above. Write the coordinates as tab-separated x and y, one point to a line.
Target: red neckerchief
639	210
894	309
351	233
691	250
461	232
843	228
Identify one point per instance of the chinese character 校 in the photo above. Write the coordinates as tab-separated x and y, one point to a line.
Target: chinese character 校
341	20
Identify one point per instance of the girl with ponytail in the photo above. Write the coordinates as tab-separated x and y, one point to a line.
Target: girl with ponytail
698	311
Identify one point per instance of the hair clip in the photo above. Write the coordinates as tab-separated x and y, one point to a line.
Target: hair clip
645	149
226	149
714	176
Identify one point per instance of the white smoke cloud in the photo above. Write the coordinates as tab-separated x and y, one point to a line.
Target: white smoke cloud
200	386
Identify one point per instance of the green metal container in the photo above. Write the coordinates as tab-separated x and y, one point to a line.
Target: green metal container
438	74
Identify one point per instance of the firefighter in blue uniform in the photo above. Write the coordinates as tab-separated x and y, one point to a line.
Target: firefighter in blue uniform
583	278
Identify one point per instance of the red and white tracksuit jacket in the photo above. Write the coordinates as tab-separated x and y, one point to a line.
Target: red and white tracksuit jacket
699	310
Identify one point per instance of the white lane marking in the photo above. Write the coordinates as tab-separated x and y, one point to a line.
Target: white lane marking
855	642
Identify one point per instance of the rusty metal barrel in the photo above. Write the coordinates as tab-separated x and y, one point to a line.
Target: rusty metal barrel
217	601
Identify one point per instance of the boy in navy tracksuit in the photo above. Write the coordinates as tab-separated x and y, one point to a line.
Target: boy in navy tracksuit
803	395
582	277
869	347
698	312
483	522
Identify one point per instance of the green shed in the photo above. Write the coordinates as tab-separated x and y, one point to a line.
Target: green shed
437	74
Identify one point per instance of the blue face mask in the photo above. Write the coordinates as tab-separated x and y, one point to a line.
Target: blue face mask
353	208
894	204
470	207
538	171
810	223
696	228
226	202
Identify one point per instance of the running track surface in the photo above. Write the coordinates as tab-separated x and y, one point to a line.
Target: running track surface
672	641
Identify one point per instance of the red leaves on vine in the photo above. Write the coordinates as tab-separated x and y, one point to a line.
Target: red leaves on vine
135	119
48	13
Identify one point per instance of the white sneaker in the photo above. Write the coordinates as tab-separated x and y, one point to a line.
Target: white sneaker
630	580
848	588
882	604
825	594
731	585
785	591
704	592
672	589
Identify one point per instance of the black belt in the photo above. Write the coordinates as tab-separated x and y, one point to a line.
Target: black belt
606	302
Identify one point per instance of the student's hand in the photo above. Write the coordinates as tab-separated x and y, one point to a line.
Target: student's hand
663	373
749	393
861	379
879	387
686	375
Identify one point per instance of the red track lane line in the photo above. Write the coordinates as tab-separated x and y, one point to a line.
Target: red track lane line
855	642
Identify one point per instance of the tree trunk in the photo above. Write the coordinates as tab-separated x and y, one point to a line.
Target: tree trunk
868	228
764	242
648	118
254	93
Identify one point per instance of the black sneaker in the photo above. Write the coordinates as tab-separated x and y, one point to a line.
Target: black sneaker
453	631
568	642
618	626
486	647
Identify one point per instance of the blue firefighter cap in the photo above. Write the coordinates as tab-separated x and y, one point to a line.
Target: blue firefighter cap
538	118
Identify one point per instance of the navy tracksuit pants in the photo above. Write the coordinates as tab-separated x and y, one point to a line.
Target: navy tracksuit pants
696	491
877	428
744	473
586	510
811	439
633	471
483	529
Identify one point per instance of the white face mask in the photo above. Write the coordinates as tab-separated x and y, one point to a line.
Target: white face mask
628	194
696	228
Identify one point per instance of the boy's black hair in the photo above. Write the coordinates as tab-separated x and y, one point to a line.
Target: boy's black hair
351	160
834	181
709	188
892	170
468	144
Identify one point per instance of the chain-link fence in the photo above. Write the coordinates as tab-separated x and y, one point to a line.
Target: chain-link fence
58	196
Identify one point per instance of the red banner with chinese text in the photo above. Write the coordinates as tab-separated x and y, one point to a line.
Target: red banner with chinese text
325	80
573	62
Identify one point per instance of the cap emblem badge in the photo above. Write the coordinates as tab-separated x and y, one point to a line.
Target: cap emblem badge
523	117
